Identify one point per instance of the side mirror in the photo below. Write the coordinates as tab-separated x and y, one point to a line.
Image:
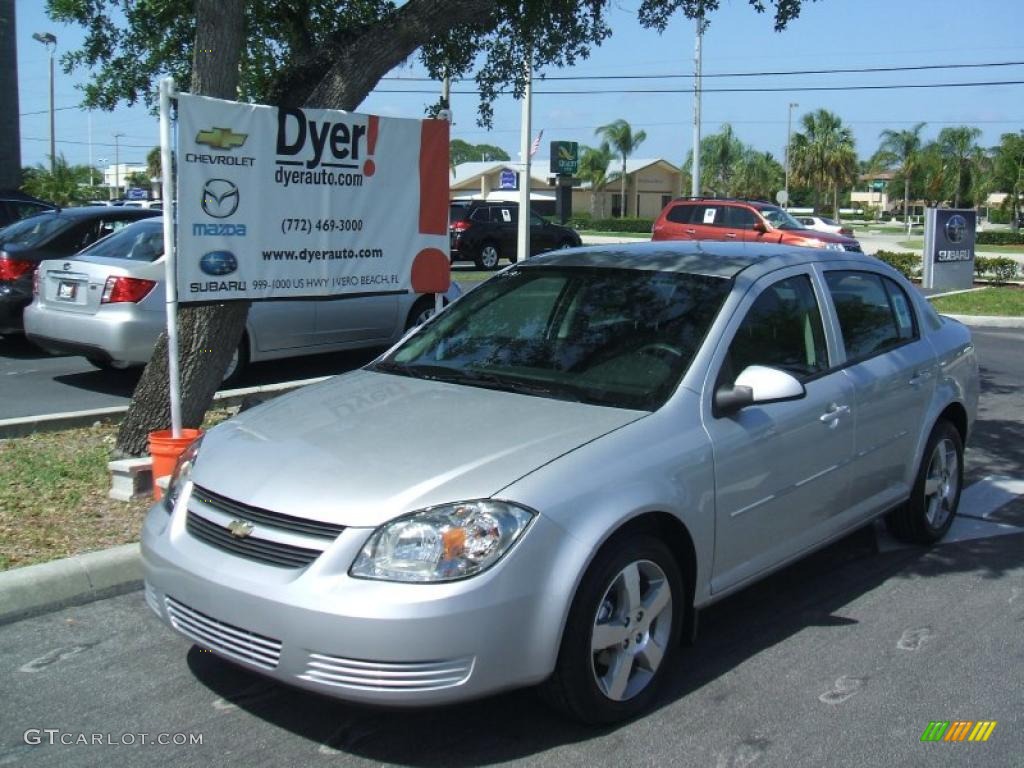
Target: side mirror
757	384
759	226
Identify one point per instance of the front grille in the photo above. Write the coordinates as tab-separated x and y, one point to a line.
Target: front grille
855	248
266	517
252	547
222	637
386	676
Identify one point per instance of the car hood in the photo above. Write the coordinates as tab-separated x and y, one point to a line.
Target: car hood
366	447
825	237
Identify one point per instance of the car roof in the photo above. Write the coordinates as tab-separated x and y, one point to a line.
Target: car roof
713	259
86	211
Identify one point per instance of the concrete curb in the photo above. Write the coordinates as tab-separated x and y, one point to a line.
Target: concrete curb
988	321
52	422
46	587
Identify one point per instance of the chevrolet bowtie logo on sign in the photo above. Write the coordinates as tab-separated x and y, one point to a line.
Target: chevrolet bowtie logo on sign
958	730
221	138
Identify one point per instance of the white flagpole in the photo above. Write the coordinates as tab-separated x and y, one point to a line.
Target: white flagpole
167	91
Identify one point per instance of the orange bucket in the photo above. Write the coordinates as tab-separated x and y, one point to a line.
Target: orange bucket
165	451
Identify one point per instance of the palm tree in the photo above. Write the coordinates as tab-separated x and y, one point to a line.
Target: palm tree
624	142
64	185
593	167
903	149
758	175
823	155
1008	171
958	146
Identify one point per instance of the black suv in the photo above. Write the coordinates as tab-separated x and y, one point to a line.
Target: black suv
15	206
485	232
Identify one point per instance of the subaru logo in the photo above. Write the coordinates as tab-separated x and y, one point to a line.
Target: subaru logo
218	263
956	228
220	198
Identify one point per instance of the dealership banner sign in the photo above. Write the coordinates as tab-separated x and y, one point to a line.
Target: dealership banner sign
948	248
294	203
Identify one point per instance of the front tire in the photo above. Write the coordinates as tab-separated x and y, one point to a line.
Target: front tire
489	256
622	631
421	311
929	513
237	365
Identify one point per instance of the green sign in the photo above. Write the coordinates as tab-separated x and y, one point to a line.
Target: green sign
565	157
878	185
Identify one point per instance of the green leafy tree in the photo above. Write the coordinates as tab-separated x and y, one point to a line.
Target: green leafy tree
824	155
65	185
959	146
593	168
1008	172
720	157
758	175
138	179
153	163
329	54
901	150
463	152
624	141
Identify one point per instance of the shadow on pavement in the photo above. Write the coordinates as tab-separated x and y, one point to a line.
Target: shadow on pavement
107	382
20	348
503	728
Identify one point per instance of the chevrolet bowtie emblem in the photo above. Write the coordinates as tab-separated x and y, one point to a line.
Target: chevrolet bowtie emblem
240	529
221	138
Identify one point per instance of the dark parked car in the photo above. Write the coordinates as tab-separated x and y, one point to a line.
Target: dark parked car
15	206
485	232
54	234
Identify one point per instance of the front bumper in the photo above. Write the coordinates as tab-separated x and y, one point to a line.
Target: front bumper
115	333
367	641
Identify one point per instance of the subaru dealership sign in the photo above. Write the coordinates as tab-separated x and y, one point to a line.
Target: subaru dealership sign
948	248
292	203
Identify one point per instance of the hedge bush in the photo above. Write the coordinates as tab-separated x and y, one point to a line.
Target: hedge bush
999	269
999	238
909	264
612	225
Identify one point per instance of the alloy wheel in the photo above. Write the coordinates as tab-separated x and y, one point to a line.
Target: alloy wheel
941	483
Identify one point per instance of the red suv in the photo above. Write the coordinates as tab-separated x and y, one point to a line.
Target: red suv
743	221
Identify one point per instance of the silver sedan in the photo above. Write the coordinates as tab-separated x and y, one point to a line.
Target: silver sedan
107	303
545	483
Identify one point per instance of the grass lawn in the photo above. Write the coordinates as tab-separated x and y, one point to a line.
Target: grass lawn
53	496
918	245
1000	300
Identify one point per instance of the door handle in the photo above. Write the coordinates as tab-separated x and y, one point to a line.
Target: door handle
690	231
831	416
730	234
919	378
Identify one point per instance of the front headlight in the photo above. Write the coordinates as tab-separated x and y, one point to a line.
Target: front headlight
834	247
442	543
181	474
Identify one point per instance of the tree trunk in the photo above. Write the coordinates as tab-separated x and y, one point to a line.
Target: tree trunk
906	202
835	203
208	335
622	211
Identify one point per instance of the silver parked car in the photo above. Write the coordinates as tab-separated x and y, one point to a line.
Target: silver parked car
544	483
108	304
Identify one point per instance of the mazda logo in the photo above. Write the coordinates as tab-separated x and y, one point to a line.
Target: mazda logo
956	228
220	198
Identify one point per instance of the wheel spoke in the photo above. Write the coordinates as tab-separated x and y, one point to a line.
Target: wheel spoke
631	581
608	636
658	597
650	657
940	455
932	486
619	675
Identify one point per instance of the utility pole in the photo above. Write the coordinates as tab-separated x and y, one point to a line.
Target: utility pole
117	165
789	138
523	233
92	180
695	166
50	41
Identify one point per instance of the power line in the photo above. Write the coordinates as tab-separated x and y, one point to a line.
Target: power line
779	89
95	143
783	73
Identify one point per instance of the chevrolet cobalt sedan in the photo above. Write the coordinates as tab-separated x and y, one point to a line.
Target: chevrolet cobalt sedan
546	482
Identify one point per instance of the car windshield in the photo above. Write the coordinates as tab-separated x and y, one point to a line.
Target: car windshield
33	230
779	219
617	337
139	242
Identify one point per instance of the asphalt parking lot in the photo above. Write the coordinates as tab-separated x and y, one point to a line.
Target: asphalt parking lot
842	659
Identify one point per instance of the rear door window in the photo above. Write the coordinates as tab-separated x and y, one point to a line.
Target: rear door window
866	316
482	215
681	214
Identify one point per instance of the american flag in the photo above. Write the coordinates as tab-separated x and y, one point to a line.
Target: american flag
536	143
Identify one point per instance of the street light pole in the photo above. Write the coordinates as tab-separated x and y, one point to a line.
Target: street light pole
789	139
117	164
695	165
50	41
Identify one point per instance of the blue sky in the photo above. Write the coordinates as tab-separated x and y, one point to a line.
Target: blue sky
829	34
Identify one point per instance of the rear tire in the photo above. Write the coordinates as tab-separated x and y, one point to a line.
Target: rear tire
108	365
238	364
926	517
489	255
621	633
421	311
